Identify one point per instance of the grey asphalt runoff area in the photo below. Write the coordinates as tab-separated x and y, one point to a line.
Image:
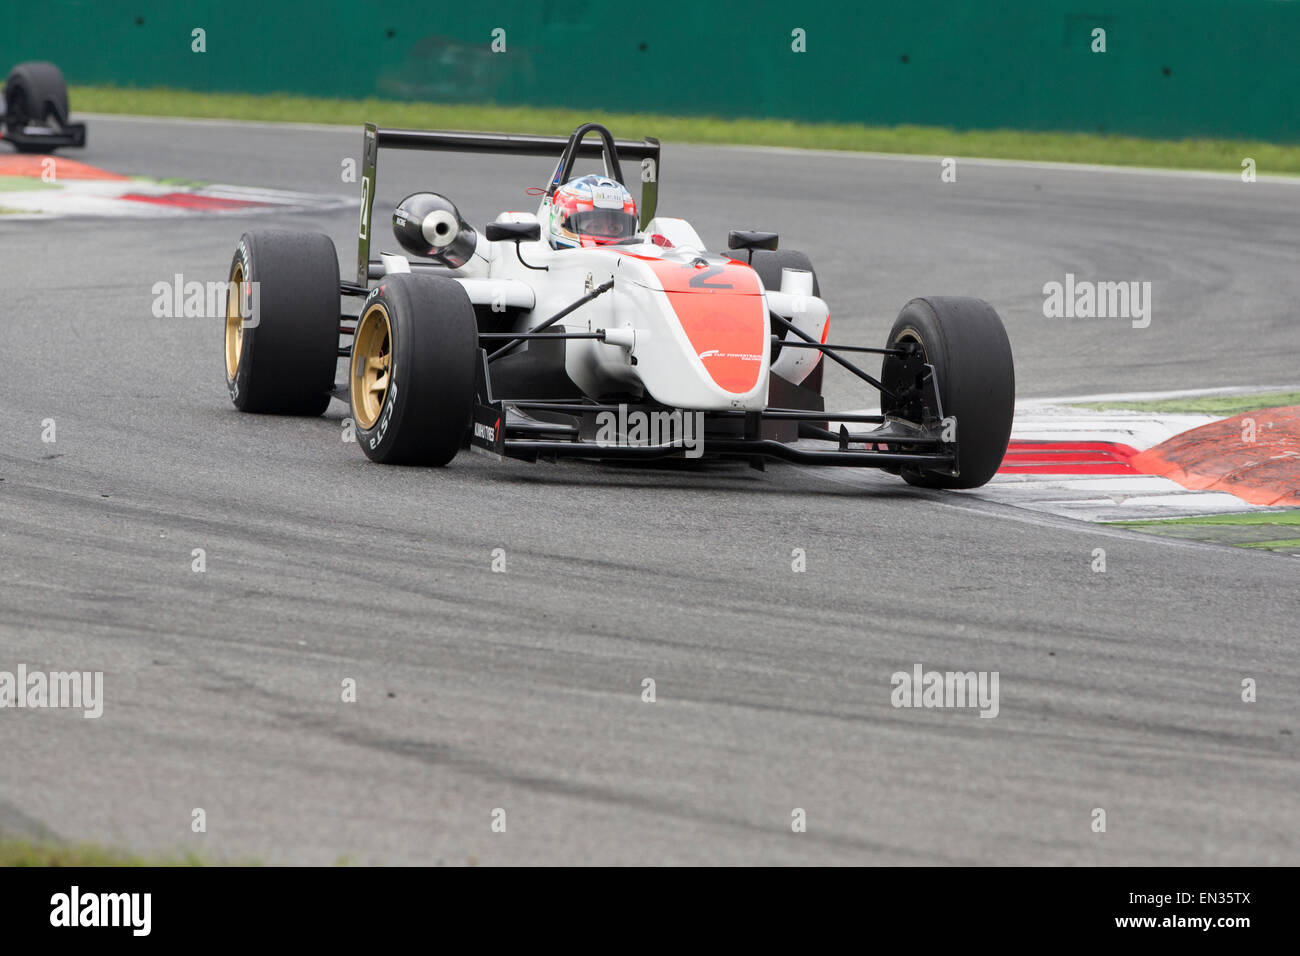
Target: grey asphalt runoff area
522	691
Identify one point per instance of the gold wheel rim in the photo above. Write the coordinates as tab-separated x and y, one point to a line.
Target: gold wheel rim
234	322
372	354
910	334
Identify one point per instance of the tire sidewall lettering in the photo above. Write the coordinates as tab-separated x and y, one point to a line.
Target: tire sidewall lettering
390	408
245	355
389	411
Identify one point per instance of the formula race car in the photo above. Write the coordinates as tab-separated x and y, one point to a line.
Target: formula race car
34	110
586	330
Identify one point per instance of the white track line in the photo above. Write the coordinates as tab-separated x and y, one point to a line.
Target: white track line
1157	396
1226	176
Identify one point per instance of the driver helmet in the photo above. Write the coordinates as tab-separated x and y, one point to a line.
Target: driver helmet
591	211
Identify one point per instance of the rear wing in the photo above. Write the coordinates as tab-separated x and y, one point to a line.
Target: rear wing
647	151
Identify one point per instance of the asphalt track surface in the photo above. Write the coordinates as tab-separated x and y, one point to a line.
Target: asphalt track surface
1118	690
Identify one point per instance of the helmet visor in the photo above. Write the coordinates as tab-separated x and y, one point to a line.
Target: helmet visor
603	224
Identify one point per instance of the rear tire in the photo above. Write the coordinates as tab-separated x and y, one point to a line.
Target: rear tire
966	342
33	91
411	378
281	355
768	263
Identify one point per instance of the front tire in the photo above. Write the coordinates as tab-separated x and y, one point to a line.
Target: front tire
966	342
411	378
282	323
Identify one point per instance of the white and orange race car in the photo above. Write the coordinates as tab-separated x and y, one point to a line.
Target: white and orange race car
638	344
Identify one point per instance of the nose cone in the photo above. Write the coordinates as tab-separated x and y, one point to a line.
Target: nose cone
707	346
720	308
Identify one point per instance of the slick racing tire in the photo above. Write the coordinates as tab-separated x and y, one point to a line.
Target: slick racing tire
411	378
34	91
768	263
965	341
282	323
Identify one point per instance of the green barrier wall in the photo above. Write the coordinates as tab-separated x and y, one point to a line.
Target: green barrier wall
1172	68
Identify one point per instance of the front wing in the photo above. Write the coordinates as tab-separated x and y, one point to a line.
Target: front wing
532	430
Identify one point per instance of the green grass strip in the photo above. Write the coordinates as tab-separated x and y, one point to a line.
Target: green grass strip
1291	517
1224	156
23	184
18	851
1273	545
1268	527
1203	405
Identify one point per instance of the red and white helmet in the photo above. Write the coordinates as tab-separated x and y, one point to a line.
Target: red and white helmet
591	211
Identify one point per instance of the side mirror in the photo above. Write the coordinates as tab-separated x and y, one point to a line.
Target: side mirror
741	239
513	231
